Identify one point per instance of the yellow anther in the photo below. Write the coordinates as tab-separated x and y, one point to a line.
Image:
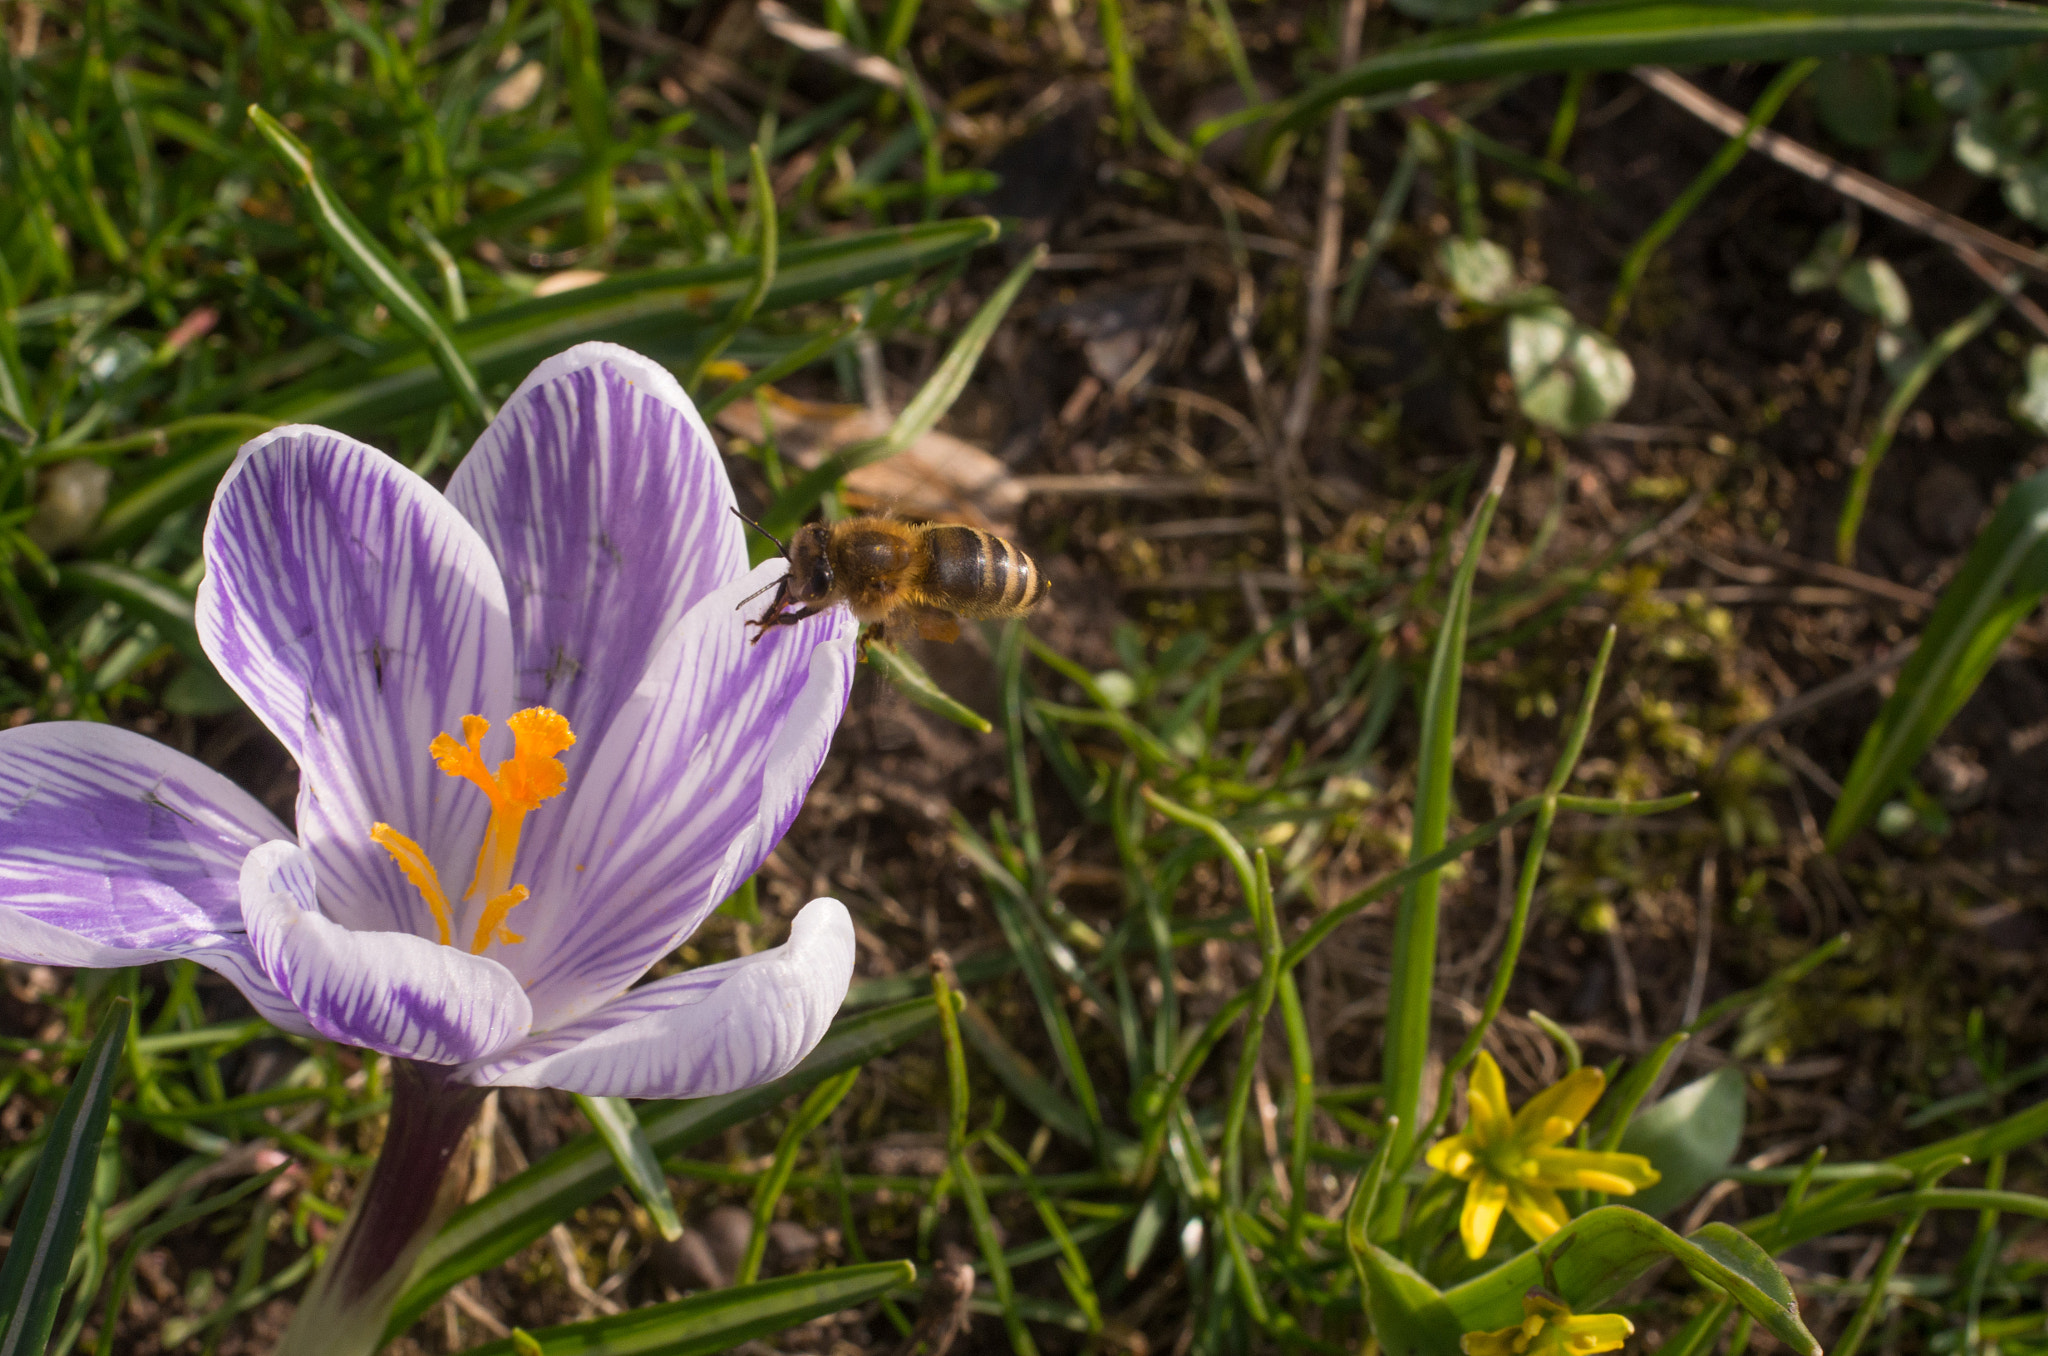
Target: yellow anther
491	927
532	774
412	860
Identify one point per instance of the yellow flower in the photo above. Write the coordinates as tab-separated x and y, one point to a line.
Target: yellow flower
1550	1329
1513	1162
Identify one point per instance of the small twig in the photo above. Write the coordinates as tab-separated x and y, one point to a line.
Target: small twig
1874	193
477	1311
1696	992
1844	575
1969	241
1322	287
1625	980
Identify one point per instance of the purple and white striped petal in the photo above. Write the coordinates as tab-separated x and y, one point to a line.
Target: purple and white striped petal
713	1030
120	840
702	772
359	615
386	991
115	850
602	497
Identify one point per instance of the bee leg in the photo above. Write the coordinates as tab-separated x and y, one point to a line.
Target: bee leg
775	616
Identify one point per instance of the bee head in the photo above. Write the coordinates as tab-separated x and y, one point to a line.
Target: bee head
810	564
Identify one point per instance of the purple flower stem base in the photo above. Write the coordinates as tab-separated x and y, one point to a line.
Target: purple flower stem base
409	1195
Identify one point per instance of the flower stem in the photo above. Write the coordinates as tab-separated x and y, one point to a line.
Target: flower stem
409	1195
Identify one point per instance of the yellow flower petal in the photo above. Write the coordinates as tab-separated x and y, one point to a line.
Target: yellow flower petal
1500	1343
1556	1111
1483	1202
1454	1155
1537	1209
1486	1093
1585	1334
1617	1174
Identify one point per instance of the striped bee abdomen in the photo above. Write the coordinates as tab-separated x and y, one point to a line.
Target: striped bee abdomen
979	575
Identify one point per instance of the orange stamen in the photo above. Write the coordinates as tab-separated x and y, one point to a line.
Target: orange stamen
412	860
532	774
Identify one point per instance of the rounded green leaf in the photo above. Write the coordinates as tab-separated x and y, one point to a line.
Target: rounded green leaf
1689	1137
1873	287
1566	376
1479	270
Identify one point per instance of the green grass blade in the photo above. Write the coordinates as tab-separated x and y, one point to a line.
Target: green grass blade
162	603
2001	583
819	1104
1901	400
486	1232
616	1124
793	361
664	313
719	1321
32	1278
931	402
590	105
909	677
1618	34
962	1169
1725	160
378	270
764	271
1415	924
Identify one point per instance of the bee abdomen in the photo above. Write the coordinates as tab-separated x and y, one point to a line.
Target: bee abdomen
980	575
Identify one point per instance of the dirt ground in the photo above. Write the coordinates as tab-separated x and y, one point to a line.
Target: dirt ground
1695	521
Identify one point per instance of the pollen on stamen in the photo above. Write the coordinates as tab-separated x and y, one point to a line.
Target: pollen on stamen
531	775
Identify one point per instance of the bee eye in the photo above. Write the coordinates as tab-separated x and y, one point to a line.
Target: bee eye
821	579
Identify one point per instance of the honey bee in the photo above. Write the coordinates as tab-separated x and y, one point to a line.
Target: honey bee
938	572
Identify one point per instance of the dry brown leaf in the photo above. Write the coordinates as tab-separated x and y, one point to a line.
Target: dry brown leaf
939	477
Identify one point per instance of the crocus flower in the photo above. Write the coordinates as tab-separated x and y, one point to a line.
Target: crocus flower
1549	1328
537	745
1512	1160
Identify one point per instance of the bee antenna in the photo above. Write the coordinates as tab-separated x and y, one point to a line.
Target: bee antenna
773	583
762	530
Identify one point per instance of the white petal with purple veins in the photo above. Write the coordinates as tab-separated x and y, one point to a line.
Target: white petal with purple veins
602	497
386	991
120	840
712	1030
701	774
360	615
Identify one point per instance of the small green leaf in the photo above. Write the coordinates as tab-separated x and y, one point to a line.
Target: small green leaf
2026	191
1962	80
46	1234
1824	263
619	1127
716	1322
1689	1137
1480	270
1409	1315
1873	287
1566	375
2030	403
909	677
1857	98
